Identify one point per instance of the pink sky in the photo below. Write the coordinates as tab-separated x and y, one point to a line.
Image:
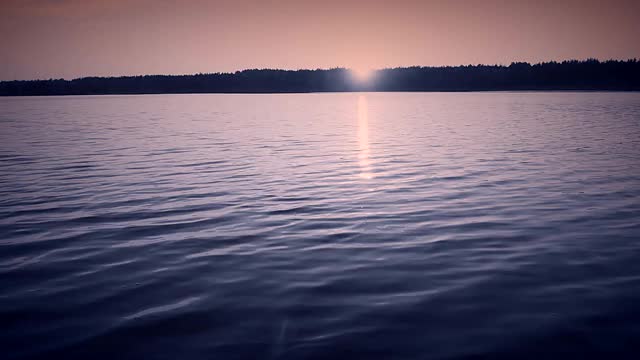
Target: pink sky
73	38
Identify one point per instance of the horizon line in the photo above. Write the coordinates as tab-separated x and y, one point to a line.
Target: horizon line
634	59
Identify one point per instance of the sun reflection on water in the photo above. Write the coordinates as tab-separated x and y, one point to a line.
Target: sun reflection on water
363	139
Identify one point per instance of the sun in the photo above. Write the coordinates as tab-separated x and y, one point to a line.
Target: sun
362	74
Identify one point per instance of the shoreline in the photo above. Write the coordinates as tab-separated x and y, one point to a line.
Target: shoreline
334	92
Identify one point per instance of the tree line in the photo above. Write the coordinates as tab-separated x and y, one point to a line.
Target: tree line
588	74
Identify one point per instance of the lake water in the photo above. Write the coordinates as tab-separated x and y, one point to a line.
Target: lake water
320	226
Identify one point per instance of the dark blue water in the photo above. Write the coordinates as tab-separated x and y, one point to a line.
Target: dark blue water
320	226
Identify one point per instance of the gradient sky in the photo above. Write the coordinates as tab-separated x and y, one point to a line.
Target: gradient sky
73	38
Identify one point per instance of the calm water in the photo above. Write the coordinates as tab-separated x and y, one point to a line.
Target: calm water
320	226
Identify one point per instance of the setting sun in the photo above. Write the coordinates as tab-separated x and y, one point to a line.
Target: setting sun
362	74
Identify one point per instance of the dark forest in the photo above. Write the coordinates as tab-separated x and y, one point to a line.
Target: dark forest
567	75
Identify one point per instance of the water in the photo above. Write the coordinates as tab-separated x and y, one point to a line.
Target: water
320	226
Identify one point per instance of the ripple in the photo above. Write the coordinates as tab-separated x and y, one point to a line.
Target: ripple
487	225
163	308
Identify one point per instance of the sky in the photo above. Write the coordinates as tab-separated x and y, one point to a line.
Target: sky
42	39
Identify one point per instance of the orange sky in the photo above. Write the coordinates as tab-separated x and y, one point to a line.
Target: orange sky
72	38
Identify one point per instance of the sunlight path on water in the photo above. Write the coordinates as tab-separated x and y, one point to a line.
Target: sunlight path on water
363	139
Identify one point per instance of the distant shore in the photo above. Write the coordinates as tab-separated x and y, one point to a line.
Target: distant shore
572	75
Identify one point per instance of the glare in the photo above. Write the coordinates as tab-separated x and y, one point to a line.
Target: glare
362	74
363	139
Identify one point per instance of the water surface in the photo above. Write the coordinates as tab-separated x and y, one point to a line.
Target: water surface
320	226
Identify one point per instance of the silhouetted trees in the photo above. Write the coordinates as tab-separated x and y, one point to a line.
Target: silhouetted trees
567	75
